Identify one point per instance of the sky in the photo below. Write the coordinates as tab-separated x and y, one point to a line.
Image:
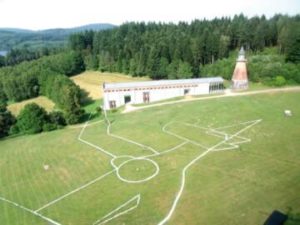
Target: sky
44	14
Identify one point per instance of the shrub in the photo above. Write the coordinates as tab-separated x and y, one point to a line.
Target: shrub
49	127
31	119
14	130
57	118
34	119
279	81
74	117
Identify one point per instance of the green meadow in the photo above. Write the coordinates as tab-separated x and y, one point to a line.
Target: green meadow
83	175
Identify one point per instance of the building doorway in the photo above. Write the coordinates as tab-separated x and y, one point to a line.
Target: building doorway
186	91
146	97
112	104
127	99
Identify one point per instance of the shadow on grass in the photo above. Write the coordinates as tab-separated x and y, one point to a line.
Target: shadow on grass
293	217
85	99
92	110
89	116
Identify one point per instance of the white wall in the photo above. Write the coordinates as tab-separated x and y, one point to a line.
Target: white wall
155	94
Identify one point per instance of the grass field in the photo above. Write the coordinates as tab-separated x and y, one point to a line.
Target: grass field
133	174
42	101
92	81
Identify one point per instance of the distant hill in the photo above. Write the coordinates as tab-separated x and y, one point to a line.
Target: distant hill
17	30
15	37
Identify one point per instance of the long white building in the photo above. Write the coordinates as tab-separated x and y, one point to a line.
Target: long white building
119	94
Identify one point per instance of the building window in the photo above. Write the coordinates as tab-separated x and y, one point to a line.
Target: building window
112	104
146	97
216	87
127	99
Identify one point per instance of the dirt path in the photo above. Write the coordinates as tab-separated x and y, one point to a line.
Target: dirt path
131	108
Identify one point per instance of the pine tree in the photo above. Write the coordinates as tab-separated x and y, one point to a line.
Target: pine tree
6	120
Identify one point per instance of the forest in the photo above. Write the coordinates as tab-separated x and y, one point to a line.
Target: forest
167	51
162	51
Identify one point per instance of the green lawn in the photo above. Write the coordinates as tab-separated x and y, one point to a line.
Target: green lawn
240	186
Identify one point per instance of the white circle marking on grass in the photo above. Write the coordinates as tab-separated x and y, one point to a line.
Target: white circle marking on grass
112	161
138	181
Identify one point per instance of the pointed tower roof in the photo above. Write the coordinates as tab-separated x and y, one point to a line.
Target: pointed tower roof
241	56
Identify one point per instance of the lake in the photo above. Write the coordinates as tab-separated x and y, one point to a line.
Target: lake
3	53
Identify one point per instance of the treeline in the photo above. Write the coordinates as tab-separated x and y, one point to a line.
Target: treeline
180	51
18	55
46	76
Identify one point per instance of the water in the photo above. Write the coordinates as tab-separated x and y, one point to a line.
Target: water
3	53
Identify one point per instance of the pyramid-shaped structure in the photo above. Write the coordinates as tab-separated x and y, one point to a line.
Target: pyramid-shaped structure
240	75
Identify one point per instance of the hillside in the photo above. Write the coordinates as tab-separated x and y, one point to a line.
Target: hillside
42	101
158	51
130	172
17	38
92	81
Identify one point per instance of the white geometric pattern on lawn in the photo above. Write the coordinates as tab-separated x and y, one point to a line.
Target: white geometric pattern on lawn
212	131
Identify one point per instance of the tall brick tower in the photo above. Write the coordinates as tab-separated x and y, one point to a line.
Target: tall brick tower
240	78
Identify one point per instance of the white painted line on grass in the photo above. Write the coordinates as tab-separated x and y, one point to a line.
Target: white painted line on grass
30	211
133	142
169	150
109	216
76	190
170	213
142	180
182	138
210	131
112	161
91	144
97	147
82	125
126	139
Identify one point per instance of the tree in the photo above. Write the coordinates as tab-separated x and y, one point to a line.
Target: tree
259	36
77	42
132	67
162	71
54	120
141	49
223	46
91	62
3	97
293	43
141	62
172	69
31	119
6	120
74	116
184	70
2	61
57	118
153	63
